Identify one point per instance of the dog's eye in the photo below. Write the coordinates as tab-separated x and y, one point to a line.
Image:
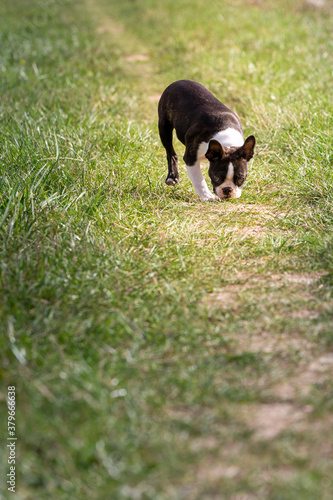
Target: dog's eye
239	179
215	178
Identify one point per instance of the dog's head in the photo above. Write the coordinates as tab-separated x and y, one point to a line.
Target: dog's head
228	167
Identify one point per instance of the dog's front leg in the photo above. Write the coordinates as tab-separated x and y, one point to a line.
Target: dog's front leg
199	183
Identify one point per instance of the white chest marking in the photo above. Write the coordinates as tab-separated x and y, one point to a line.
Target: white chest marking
228	138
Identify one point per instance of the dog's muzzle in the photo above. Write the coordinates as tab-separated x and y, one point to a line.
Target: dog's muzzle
228	192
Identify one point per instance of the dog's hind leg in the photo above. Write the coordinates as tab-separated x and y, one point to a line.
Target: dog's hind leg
165	130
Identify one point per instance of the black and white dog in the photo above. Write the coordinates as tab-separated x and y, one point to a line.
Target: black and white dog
208	129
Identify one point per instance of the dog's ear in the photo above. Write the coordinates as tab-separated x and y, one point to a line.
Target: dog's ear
247	150
215	151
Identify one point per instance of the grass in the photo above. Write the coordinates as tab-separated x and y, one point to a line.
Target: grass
163	348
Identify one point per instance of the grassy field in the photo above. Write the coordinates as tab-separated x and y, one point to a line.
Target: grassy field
163	348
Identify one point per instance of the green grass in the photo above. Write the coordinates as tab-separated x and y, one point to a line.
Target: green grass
163	348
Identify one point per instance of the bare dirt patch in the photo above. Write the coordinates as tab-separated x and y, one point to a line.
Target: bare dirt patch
268	420
204	443
226	298
255	209
154	97
271	343
318	371
316	3
281	279
137	58
304	313
184	413
110	27
252	231
210	224
230	294
213	471
290	296
244	496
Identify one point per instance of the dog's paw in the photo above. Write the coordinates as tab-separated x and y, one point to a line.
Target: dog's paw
210	197
171	182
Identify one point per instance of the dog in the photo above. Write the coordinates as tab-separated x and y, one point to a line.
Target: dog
208	129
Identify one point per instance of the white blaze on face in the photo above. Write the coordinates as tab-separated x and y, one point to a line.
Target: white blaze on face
229	182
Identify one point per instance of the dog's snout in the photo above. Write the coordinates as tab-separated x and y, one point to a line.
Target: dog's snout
227	191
